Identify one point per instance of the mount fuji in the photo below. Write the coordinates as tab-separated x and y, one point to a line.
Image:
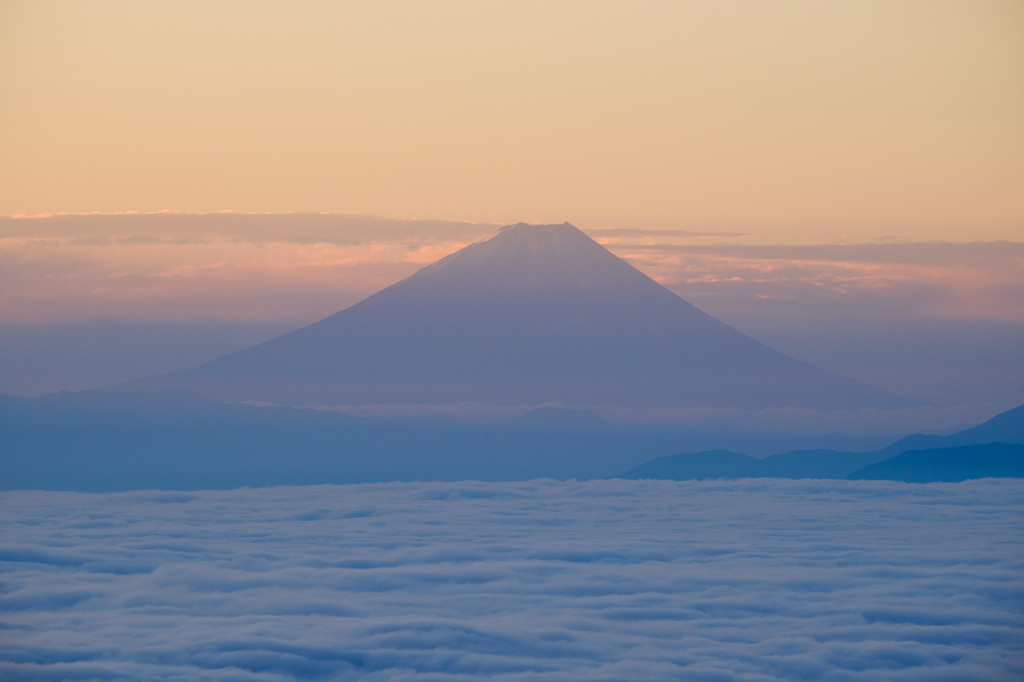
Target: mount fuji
535	314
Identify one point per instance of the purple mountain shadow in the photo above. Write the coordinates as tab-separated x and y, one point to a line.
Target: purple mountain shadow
535	314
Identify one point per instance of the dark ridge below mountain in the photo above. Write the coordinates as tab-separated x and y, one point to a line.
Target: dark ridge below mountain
1006	427
534	315
114	440
989	460
976	457
101	441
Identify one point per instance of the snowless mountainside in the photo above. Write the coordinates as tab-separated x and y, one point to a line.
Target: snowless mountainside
991	460
1006	427
535	314
971	453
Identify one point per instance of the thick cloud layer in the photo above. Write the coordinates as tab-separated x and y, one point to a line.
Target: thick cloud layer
747	580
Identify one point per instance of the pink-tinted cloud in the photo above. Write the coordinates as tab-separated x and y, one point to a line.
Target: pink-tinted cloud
927	280
172	266
304	266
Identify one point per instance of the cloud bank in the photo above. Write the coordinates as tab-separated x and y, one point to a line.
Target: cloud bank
214	266
603	580
304	266
940	322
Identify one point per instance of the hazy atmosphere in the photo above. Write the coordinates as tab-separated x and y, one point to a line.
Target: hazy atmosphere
90	300
511	340
838	180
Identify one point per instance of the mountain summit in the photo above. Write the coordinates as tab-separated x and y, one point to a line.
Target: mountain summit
534	314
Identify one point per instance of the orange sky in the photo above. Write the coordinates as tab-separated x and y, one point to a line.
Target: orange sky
796	122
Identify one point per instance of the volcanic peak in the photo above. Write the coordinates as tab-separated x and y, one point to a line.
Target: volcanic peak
524	257
534	315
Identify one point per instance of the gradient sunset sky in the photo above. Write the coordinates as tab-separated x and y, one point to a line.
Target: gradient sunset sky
787	166
798	121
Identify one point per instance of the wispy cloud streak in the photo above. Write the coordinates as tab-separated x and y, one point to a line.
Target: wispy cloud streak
303	266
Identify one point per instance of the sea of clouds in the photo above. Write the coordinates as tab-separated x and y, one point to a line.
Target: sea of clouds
542	580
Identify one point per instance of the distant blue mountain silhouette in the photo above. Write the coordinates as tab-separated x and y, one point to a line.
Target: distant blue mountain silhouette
994	448
536	314
114	440
1006	427
990	460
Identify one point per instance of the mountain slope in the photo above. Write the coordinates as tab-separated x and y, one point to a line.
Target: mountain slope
979	455
536	314
990	460
1005	427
